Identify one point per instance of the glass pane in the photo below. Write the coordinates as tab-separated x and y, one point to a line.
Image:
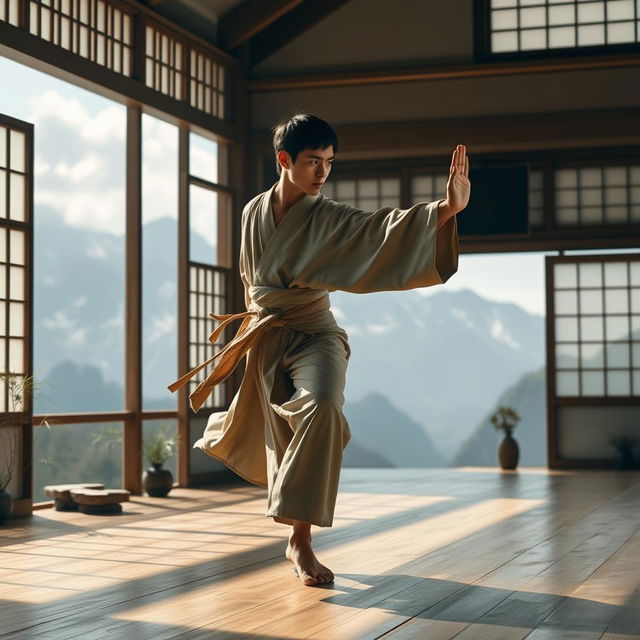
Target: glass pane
533	39
618	355
562	37
635	354
590	11
533	17
17	283
566	356
390	187
566	178
16	248
591	215
566	198
18	140
368	188
591	301
635	273
566	217
567	383
368	204
504	41
3	244
620	10
346	190
591	35
591	329
617	327
592	383
64	454
3	147
616	300
203	225
615	176
592	355
17	197
504	19
636	382
616	214
615	274
591	197
16	358
635	300
203	157
620	32
565	276
16	319
566	302
3	193
590	274
421	186
566	329
561	14
618	383
159	262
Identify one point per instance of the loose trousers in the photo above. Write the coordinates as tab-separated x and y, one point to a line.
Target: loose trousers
307	431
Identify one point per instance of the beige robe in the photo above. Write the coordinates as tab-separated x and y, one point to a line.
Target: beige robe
284	428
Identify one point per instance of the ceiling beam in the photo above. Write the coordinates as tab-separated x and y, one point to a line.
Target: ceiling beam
249	18
304	16
440	72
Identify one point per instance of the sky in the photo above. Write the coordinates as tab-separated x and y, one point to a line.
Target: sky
83	170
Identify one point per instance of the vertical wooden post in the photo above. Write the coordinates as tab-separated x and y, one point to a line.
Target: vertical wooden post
132	440
184	444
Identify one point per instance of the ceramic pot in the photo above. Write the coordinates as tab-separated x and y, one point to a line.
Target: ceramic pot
508	453
624	458
157	481
6	506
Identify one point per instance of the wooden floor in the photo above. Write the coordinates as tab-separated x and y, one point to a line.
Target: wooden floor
468	553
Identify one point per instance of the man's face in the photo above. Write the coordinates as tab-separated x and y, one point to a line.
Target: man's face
311	168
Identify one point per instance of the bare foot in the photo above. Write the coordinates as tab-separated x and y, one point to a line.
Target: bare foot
309	570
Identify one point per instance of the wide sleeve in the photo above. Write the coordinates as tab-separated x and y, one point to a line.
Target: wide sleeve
390	249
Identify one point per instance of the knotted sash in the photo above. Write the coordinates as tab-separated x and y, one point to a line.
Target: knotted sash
305	310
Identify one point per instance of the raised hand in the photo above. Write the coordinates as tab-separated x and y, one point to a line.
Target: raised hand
458	185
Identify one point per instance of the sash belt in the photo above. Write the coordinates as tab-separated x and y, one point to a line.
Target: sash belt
254	325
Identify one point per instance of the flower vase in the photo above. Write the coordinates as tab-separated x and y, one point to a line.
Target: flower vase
6	505
508	453
157	481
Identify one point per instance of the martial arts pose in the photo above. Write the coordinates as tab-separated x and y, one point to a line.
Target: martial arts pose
285	429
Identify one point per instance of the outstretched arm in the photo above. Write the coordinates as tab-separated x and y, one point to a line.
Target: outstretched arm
458	186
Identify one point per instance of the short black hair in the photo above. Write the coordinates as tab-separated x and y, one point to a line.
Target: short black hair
302	131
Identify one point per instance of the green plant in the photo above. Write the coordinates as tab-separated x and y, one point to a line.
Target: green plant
20	387
505	418
159	447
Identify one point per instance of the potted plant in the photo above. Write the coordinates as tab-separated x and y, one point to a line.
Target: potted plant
624	451
157	450
20	387
506	418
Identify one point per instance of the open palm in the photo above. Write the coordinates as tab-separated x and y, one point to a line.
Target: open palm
458	185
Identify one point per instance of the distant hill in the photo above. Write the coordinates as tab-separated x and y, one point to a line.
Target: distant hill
382	428
442	359
357	455
528	397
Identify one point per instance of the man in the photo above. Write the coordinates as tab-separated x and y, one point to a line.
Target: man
285	428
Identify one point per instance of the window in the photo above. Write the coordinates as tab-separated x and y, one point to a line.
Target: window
597	195
535	25
596	327
366	194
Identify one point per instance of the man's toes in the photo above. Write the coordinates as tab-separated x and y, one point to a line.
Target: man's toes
309	580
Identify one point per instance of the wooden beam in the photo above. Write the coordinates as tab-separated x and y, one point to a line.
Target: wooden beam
298	20
440	72
482	134
249	18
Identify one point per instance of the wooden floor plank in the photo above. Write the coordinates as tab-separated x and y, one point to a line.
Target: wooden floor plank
470	553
